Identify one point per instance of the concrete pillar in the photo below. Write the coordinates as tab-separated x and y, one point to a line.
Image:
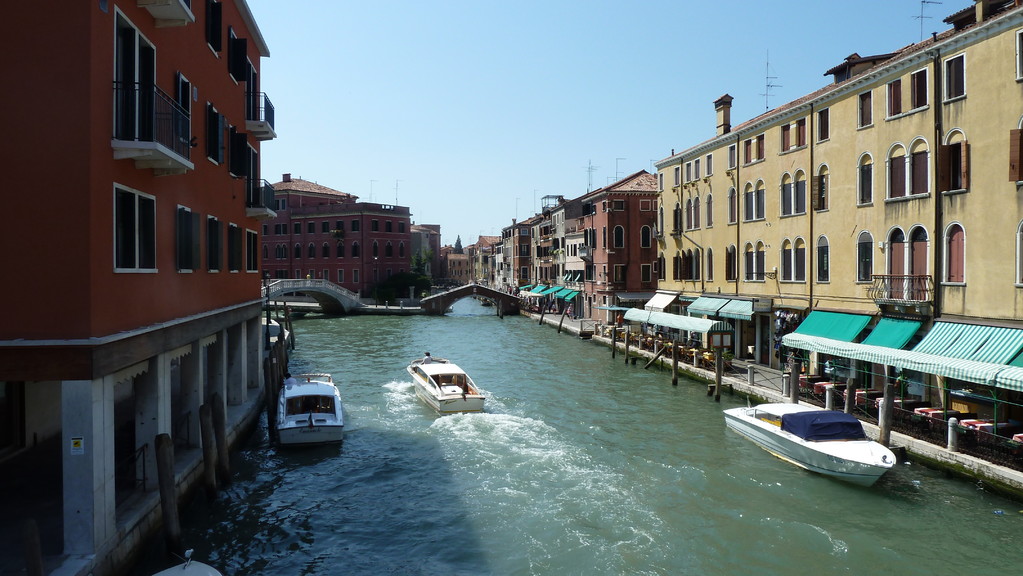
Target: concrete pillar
152	413
751	374
254	352
216	366
87	447
236	373
192	377
829	397
953	435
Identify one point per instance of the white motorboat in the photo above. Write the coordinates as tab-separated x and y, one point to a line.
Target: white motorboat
189	568
309	411
445	387
824	441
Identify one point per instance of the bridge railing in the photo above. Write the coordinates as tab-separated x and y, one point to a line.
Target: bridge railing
298	285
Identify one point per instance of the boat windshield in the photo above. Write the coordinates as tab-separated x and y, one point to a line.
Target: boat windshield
311	405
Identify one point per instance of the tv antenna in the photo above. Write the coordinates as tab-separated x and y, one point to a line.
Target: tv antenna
768	84
590	169
921	17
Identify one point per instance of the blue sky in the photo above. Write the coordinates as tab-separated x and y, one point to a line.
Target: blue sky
469	112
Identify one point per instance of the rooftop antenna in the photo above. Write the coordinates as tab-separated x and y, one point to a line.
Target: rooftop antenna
396	192
616	167
767	82
590	169
921	17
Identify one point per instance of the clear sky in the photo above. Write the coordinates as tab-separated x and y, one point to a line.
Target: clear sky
470	111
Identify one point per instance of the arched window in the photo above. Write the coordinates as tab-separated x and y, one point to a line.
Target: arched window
660	267
689	214
820	190
388	250
786	196
376	249
676	267
731	264
696	212
954	173
326	250
340	249
660	219
694	264
644	237
619	237
786	260
266	252
749	263
823	260
919	171
897	172
955	254
356	252
298	251
799	193
676	221
799	261
865	180
733	208
761	261
401	249
311	250
710	211
709	267
864	257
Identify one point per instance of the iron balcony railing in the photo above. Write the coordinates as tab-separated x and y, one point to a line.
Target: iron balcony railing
901	288
259	108
259	194
144	113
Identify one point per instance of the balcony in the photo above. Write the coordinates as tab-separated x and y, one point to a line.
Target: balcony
152	129
902	290
169	13
586	253
259	199
259	116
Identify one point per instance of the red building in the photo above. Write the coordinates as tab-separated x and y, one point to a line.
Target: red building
322	233
134	237
618	246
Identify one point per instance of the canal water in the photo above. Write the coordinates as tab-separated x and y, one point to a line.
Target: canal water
580	465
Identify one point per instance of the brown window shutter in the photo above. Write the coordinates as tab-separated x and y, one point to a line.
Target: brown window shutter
1015	162
964	164
944	182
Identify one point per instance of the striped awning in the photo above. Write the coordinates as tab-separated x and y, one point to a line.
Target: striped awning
678	322
972	342
892	332
707	305
550	290
526	287
660	301
538	289
566	294
737	309
832	325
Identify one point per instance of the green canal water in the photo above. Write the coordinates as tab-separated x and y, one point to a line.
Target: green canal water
580	465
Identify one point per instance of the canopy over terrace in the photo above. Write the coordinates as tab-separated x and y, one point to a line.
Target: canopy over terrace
667	320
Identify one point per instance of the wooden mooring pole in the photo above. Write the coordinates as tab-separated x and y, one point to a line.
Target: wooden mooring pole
220	433
168	495
209	451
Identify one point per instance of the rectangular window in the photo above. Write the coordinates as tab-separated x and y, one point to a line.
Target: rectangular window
955	77
678	175
955	174
660	181
215	128
823	124
801	132
894	98
919	89
619	273
645	273
214	243
786	139
689	172
761	153
747	151
355	225
710	164
374	225
732	153
297	226
251	251
134	231
310	227
187	230
214	22
696	168
919	182
325	226
1019	55
865	117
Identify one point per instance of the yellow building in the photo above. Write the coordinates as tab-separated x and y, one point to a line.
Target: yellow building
890	196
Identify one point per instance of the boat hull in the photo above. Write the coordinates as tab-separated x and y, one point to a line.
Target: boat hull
860	462
445	387
449	403
310	412
303	435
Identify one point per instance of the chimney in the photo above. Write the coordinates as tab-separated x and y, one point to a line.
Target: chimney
723	107
287	177
983	8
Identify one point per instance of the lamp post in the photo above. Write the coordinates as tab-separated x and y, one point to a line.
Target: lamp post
266	295
719	341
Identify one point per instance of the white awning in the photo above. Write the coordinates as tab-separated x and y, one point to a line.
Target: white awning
661	300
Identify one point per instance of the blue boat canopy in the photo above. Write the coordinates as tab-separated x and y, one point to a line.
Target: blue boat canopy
823	425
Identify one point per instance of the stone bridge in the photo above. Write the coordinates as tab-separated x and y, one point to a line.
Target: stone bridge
333	299
439	303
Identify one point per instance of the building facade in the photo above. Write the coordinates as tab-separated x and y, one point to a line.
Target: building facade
148	267
325	234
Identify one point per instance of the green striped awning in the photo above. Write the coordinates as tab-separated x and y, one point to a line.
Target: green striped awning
526	287
707	306
566	294
676	321
538	289
832	325
972	342
892	332
737	309
550	290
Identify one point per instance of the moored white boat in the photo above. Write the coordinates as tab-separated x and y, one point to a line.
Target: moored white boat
309	411
189	568
824	441
445	387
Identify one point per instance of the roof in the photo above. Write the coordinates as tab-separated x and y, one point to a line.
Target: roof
641	181
300	185
434	368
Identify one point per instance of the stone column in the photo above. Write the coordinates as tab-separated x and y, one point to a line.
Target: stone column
87	447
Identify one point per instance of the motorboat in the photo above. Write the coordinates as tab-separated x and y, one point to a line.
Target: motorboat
189	568
444	386
823	441
309	411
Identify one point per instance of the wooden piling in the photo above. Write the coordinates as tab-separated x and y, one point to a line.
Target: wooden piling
625	337
562	321
220	433
614	342
168	495
33	549
656	356
850	395
793	380
209	451
674	363
719	367
884	420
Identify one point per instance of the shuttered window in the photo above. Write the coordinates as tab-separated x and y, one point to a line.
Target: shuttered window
956	254
897	177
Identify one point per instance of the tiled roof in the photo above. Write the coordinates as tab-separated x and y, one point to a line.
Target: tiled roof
300	185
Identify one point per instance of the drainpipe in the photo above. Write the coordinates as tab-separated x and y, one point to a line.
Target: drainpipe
811	251
939	247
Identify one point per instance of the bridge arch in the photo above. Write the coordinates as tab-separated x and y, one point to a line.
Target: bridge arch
437	304
333	299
